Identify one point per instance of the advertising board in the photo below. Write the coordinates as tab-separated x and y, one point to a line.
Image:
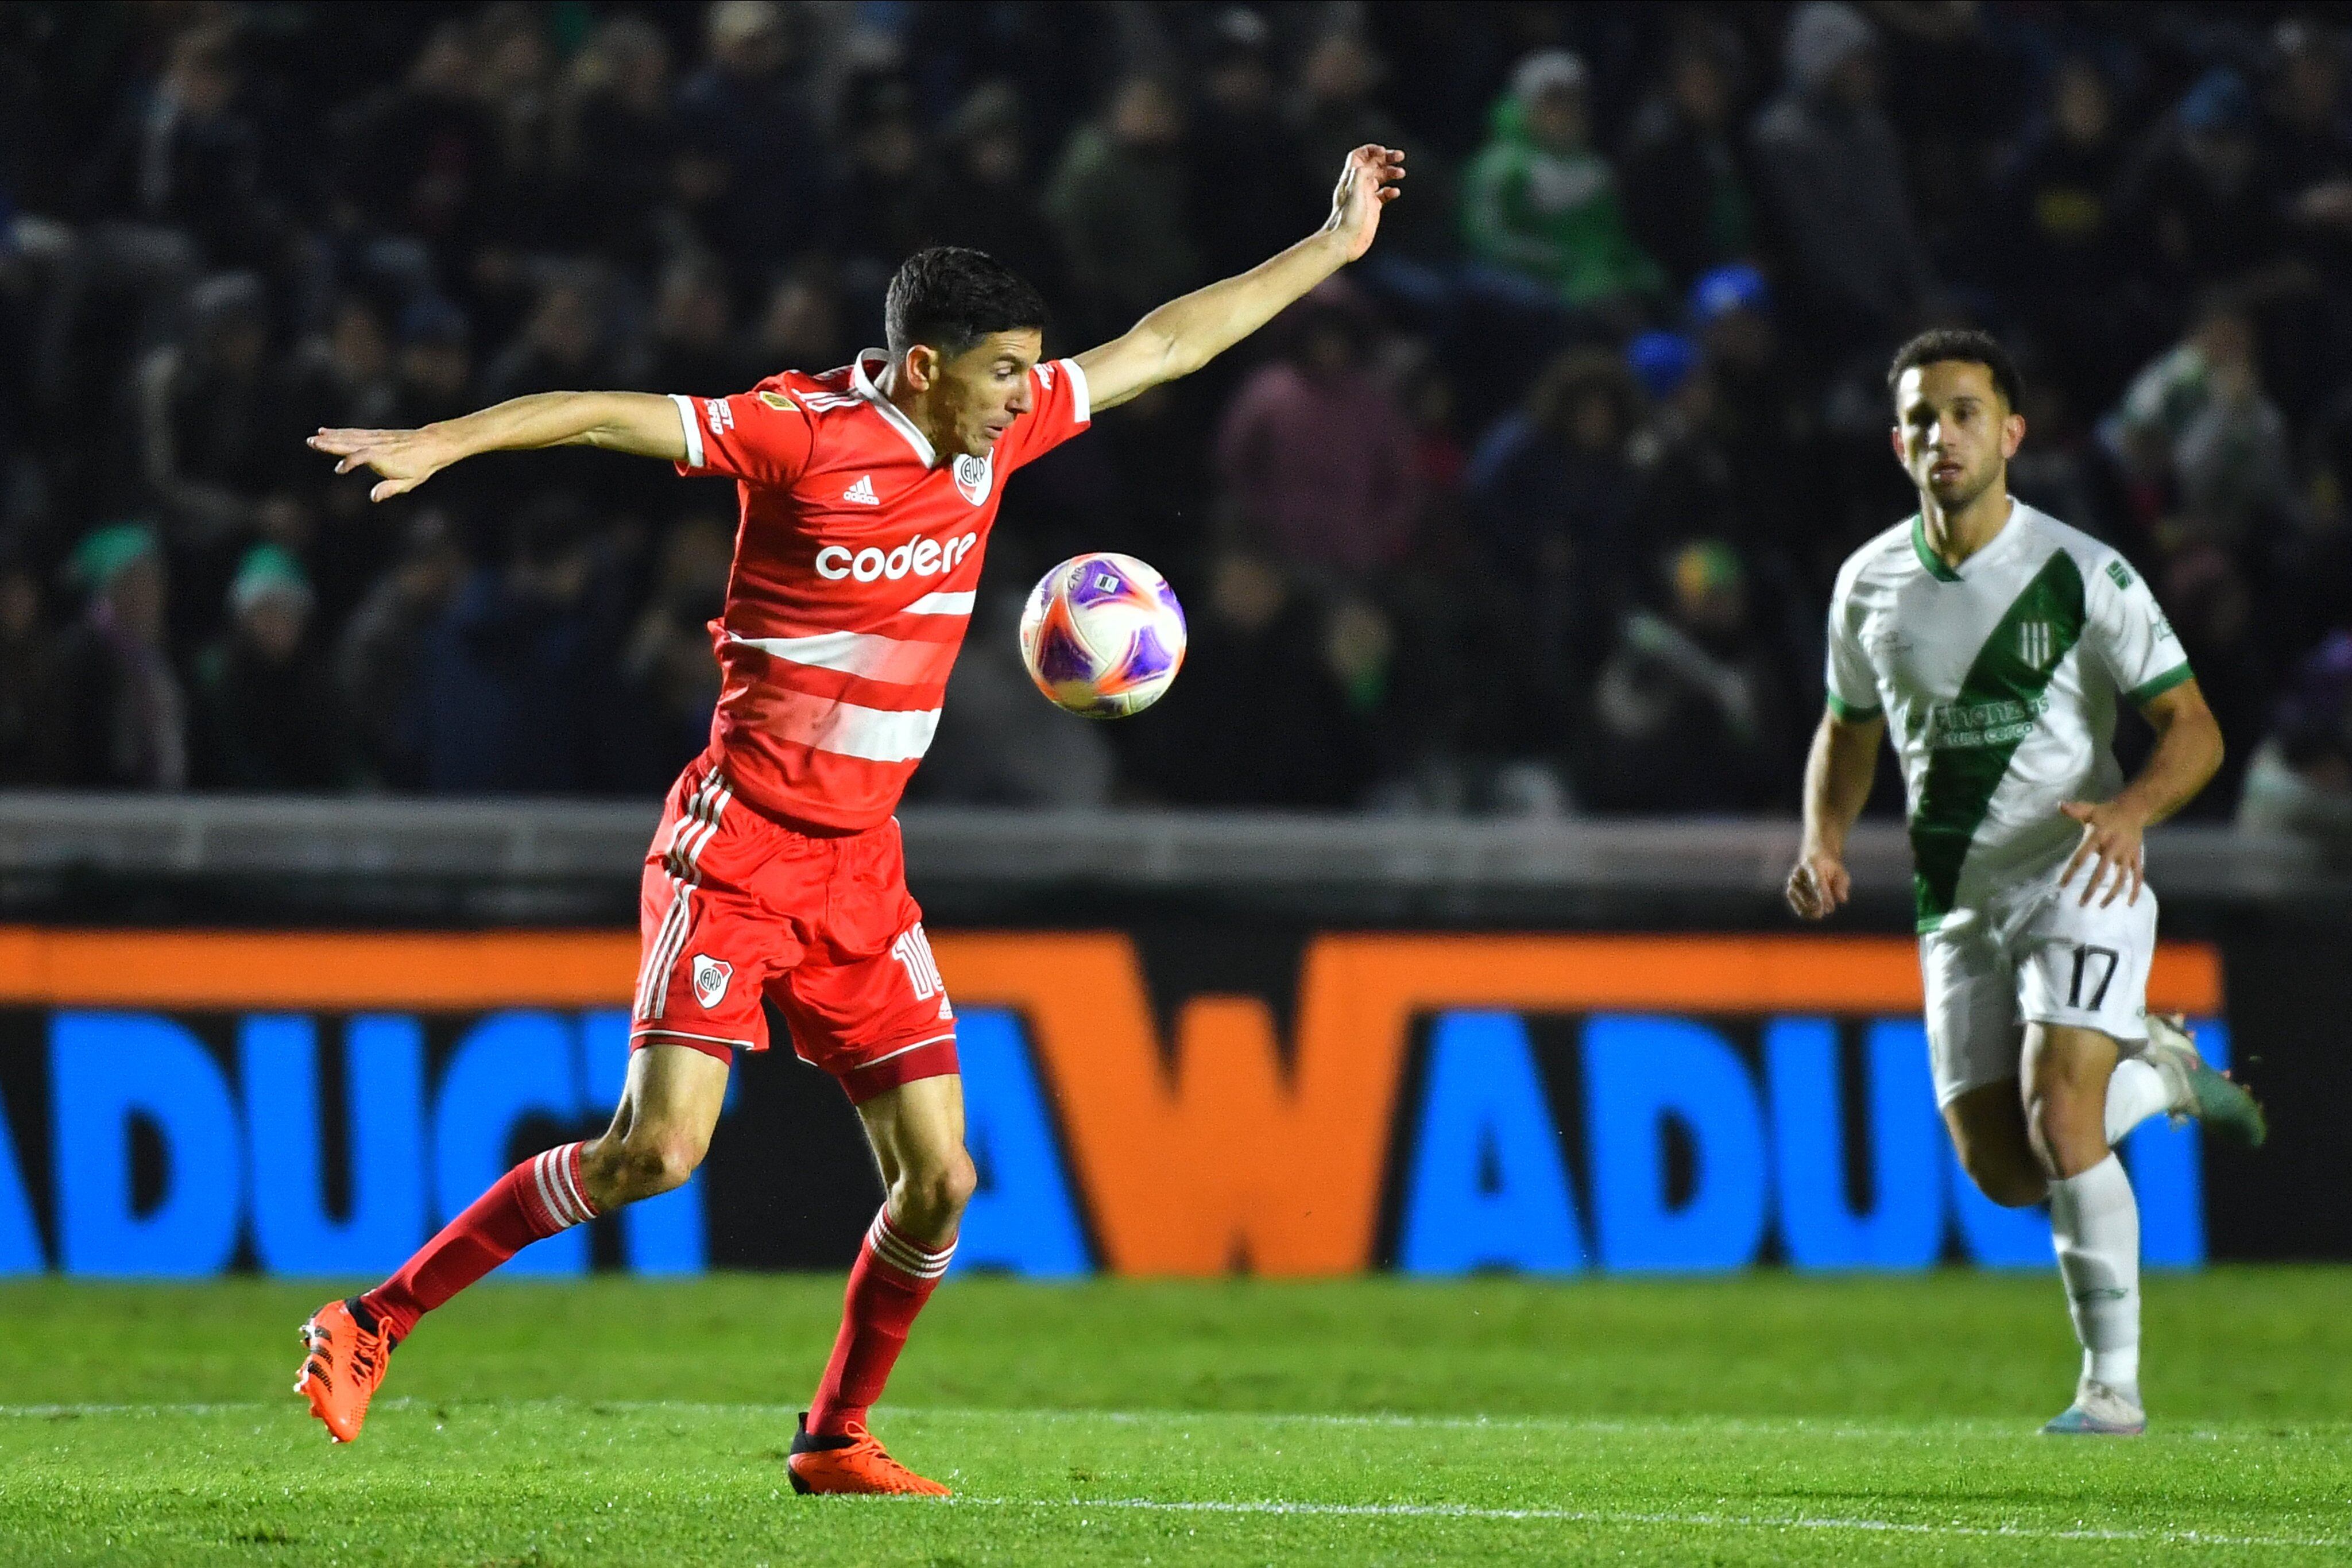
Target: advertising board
189	1102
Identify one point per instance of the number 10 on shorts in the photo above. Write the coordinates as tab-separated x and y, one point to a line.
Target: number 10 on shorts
913	949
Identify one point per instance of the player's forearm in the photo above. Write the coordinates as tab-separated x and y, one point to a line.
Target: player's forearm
2188	754
1838	773
639	423
1191	332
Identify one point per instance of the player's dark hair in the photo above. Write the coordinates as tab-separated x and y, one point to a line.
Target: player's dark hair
949	298
1969	347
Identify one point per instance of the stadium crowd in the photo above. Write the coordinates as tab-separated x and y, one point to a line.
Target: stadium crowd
1535	511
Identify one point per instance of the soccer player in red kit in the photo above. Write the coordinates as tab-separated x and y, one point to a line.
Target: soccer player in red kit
867	495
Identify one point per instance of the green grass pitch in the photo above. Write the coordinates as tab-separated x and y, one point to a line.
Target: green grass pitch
1766	1418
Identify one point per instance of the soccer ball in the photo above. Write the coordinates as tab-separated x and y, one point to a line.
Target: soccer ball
1103	635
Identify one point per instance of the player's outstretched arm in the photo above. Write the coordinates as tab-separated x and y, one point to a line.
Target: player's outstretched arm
639	423
1185	334
1837	785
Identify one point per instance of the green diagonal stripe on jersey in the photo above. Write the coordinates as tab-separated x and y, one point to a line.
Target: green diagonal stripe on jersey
1998	707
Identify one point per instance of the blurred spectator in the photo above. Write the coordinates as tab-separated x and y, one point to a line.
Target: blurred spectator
563	348
1314	452
205	435
1551	500
515	674
2204	208
881	205
981	193
694	348
2306	142
1764	416
342	377
1262	715
616	141
267	717
1538	201
2064	247
1685	471
379	661
436	364
1117	202
2205	450
123	714
29	713
800	329
1249	197
1832	172
2300	779
1687	196
1337	108
186	155
668	668
417	160
1687	712
2211	607
749	179
515	76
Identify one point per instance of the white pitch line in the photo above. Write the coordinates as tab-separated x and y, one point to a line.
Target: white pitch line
1701	1520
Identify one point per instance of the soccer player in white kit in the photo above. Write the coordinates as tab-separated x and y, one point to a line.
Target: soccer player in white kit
1996	642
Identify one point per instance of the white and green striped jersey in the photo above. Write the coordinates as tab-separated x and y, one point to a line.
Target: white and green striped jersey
1998	682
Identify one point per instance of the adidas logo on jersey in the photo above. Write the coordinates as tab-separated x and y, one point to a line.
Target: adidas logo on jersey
863	492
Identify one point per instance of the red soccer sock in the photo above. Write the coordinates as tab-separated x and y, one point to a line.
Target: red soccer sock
893	1277
537	1198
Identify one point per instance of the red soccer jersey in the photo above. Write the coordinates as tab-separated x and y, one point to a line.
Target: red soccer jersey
855	564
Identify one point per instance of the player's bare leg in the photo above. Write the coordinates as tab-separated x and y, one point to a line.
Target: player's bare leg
1989	1134
660	1130
659	1134
916	1132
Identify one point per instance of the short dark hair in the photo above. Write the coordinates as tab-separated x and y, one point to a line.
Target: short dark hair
1969	347
950	297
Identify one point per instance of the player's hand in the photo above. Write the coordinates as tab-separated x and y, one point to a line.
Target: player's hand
407	458
2111	844
1367	182
1819	884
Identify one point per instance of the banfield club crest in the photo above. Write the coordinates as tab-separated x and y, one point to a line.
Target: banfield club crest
711	978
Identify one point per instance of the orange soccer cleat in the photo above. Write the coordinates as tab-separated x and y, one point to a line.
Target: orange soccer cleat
342	1363
854	1463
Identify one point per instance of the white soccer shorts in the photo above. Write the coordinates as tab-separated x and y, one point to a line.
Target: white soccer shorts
2034	957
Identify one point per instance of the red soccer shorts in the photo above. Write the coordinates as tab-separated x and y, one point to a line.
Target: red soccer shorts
734	907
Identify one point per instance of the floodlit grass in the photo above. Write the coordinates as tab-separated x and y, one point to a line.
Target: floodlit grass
1760	1420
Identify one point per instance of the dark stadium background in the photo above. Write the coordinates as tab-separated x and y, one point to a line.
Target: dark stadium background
1506	555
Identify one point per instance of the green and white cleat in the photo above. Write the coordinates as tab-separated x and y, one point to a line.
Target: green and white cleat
2212	1098
2098	1411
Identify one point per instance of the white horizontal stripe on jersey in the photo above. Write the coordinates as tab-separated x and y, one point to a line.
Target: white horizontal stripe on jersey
848	730
693	428
941	604
861	654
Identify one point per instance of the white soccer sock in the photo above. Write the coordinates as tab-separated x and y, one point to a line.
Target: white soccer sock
2134	1092
2095	1226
